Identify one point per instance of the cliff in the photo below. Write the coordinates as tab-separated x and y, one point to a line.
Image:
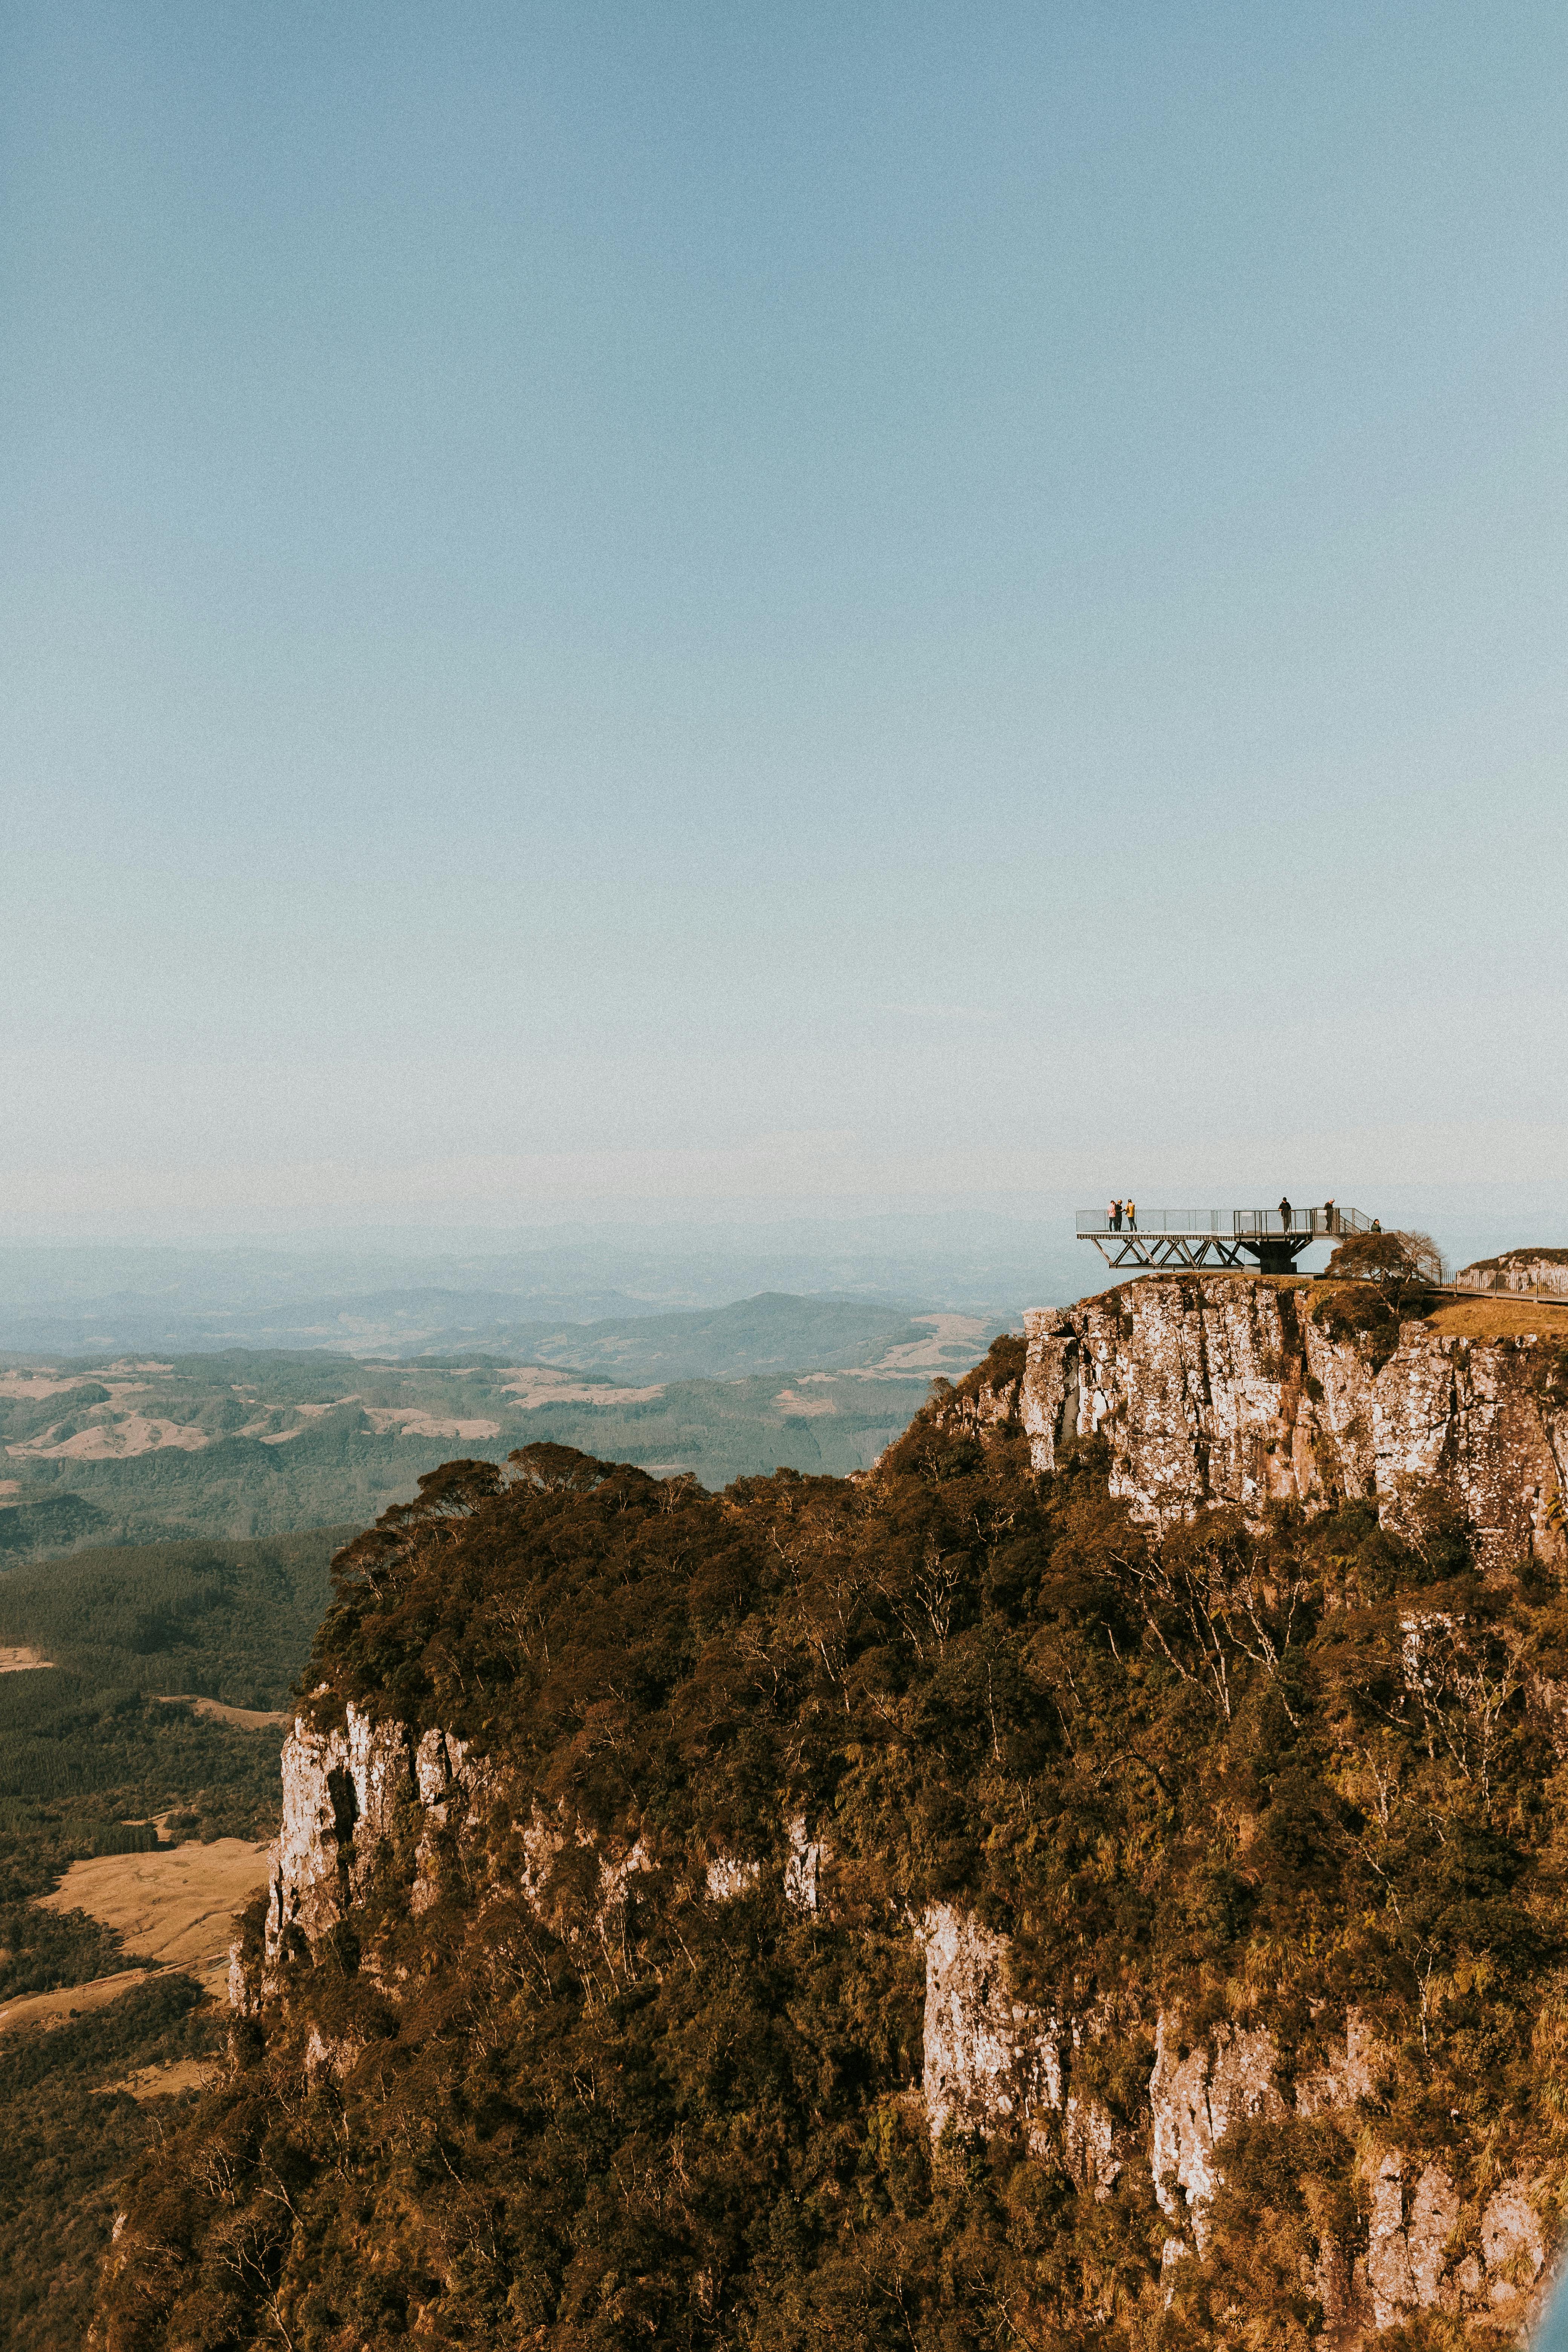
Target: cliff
1240	1390
1091	1880
1521	1269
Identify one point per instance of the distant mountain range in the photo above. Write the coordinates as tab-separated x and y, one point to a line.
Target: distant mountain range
413	1301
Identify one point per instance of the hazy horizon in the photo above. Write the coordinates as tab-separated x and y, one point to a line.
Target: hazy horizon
370	1291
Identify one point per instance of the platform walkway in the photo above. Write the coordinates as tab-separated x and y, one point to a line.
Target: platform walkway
1199	1237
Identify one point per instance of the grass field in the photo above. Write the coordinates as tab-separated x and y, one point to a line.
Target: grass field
1497	1317
174	1906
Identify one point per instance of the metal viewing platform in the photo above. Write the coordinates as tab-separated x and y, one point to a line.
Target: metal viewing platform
1217	1236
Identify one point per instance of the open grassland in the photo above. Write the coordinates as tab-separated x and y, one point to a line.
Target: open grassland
47	2009
1495	1316
244	1719
174	1906
166	2078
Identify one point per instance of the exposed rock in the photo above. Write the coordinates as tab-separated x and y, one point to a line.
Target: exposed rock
1521	1269
1407	2239
727	1877
326	2055
1347	2076
1196	2095
568	1902
1415	2259
803	1869
342	1792
242	1993
615	1874
980	1409
989	2060
1512	2244
1223	1389
1089	2141
438	1763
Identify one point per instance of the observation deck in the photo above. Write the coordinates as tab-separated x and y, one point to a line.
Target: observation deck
1194	1238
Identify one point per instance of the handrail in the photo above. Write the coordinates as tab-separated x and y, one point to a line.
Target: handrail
1493	1285
1094	1223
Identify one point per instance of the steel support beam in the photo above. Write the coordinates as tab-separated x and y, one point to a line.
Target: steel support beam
1275	1253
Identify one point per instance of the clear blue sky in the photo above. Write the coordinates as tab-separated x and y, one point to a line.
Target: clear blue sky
658	602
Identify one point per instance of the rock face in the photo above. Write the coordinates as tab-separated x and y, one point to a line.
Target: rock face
348	1791
1518	1270
1196	2095
1408	2229
989	2060
1223	1389
1417	2258
343	1793
992	2062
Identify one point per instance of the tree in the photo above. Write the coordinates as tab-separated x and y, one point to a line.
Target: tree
1405	1265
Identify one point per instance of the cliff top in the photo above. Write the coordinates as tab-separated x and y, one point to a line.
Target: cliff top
1518	1257
1488	1316
1207	1276
1499	1316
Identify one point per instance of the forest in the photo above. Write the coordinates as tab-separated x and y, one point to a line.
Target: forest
1193	1778
92	1754
224	1621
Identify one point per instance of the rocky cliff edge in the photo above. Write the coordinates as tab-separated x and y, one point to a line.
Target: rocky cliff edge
1233	1389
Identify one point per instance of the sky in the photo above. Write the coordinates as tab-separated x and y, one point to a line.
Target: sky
620	608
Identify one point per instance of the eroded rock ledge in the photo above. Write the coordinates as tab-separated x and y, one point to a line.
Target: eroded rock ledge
1221	1388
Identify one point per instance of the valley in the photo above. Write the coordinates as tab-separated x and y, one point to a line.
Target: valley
251	1443
166	1523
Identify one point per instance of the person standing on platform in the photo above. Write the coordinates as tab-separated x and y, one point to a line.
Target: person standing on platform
1131	1216
1329	1215
1115	1216
1284	1212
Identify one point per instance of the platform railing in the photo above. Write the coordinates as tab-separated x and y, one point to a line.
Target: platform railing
1237	1223
1326	1222
1094	1222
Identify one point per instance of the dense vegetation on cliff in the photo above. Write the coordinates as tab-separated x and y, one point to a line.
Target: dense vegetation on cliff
609	2079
